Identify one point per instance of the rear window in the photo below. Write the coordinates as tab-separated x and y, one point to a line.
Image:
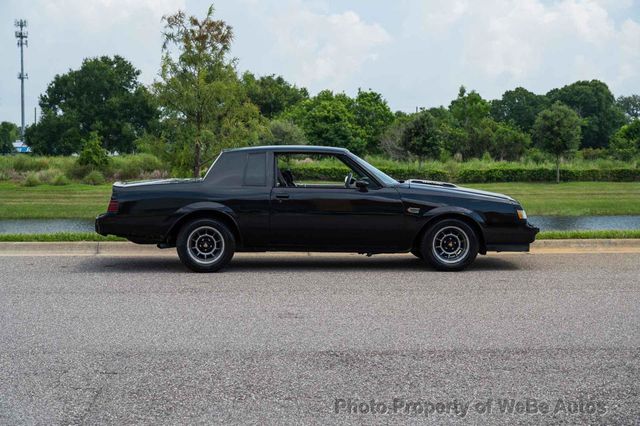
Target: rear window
227	170
255	172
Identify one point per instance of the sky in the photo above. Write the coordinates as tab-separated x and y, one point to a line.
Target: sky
416	53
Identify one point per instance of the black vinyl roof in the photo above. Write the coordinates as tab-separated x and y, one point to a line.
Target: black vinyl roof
291	148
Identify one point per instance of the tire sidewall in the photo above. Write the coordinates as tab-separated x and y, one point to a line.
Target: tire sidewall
182	245
432	259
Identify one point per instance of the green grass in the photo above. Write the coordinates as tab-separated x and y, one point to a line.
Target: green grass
77	201
572	198
90	236
57	237
585	235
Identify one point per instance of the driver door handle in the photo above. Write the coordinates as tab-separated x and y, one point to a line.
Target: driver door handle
282	196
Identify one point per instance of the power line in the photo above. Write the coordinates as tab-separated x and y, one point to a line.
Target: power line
22	35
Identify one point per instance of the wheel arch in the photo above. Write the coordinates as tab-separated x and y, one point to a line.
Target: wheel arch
213	211
471	218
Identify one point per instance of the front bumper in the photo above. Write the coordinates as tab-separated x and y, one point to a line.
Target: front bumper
511	239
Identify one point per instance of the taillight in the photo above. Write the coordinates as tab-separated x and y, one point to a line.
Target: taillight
113	206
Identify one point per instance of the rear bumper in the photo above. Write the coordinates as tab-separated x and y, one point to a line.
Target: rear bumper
102	225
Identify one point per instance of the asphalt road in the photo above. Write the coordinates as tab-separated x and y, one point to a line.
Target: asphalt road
288	339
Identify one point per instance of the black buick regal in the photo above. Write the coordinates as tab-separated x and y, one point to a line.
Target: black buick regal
250	200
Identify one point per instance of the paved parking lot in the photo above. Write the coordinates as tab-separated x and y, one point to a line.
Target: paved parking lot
292	338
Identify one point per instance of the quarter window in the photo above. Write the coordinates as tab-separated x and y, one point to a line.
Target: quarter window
255	172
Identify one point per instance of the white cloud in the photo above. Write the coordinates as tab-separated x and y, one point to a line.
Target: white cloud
99	15
323	48
518	39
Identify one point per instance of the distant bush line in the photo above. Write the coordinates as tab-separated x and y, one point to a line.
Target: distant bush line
34	170
487	175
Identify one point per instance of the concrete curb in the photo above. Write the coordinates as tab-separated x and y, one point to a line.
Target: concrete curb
92	248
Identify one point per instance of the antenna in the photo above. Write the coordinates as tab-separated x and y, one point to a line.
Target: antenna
22	36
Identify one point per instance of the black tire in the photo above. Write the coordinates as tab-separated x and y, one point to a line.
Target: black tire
456	246
417	253
212	237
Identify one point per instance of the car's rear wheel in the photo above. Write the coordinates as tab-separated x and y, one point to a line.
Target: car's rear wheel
450	245
205	245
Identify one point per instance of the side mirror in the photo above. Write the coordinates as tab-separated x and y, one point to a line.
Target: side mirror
362	185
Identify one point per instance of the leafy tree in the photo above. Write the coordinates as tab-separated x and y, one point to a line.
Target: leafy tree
283	132
471	114
519	107
93	154
55	134
200	93
630	105
272	94
422	138
9	133
557	131
329	119
104	95
594	102
625	143
509	143
373	116
391	139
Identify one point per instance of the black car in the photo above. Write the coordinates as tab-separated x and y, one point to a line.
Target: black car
251	200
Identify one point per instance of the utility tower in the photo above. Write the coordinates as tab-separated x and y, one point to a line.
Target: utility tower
22	35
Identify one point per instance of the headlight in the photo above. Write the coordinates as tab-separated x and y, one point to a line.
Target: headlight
522	215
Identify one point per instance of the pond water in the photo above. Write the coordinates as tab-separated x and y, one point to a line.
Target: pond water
545	223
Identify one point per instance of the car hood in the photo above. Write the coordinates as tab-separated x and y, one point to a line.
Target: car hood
455	189
155	182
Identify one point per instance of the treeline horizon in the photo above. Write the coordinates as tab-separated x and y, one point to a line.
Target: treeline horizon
201	104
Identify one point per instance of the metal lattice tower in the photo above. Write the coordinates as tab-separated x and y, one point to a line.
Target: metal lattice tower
22	35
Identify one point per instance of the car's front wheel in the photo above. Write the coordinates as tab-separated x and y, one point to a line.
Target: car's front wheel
205	245
450	245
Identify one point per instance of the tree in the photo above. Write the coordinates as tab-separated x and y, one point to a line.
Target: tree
9	133
594	102
329	119
373	116
630	105
422	138
509	143
272	94
93	154
471	112
104	95
200	92
625	143
518	107
283	132
557	131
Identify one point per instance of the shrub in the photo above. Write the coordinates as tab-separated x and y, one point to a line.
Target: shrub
60	180
94	178
48	175
26	163
93	154
31	180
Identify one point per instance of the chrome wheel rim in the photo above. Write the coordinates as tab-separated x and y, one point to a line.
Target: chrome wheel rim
450	244
205	245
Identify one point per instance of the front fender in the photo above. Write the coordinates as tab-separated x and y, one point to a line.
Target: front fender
432	214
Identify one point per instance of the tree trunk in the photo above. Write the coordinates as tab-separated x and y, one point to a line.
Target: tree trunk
196	159
558	169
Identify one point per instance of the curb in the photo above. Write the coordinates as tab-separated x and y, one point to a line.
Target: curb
112	248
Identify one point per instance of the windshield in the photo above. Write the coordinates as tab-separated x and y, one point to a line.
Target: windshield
383	177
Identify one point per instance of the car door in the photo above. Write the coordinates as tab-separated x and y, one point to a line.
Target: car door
336	218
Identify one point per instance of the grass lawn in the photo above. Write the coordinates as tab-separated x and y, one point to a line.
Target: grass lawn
565	199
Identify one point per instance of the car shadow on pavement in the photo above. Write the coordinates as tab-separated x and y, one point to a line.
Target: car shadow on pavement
285	263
